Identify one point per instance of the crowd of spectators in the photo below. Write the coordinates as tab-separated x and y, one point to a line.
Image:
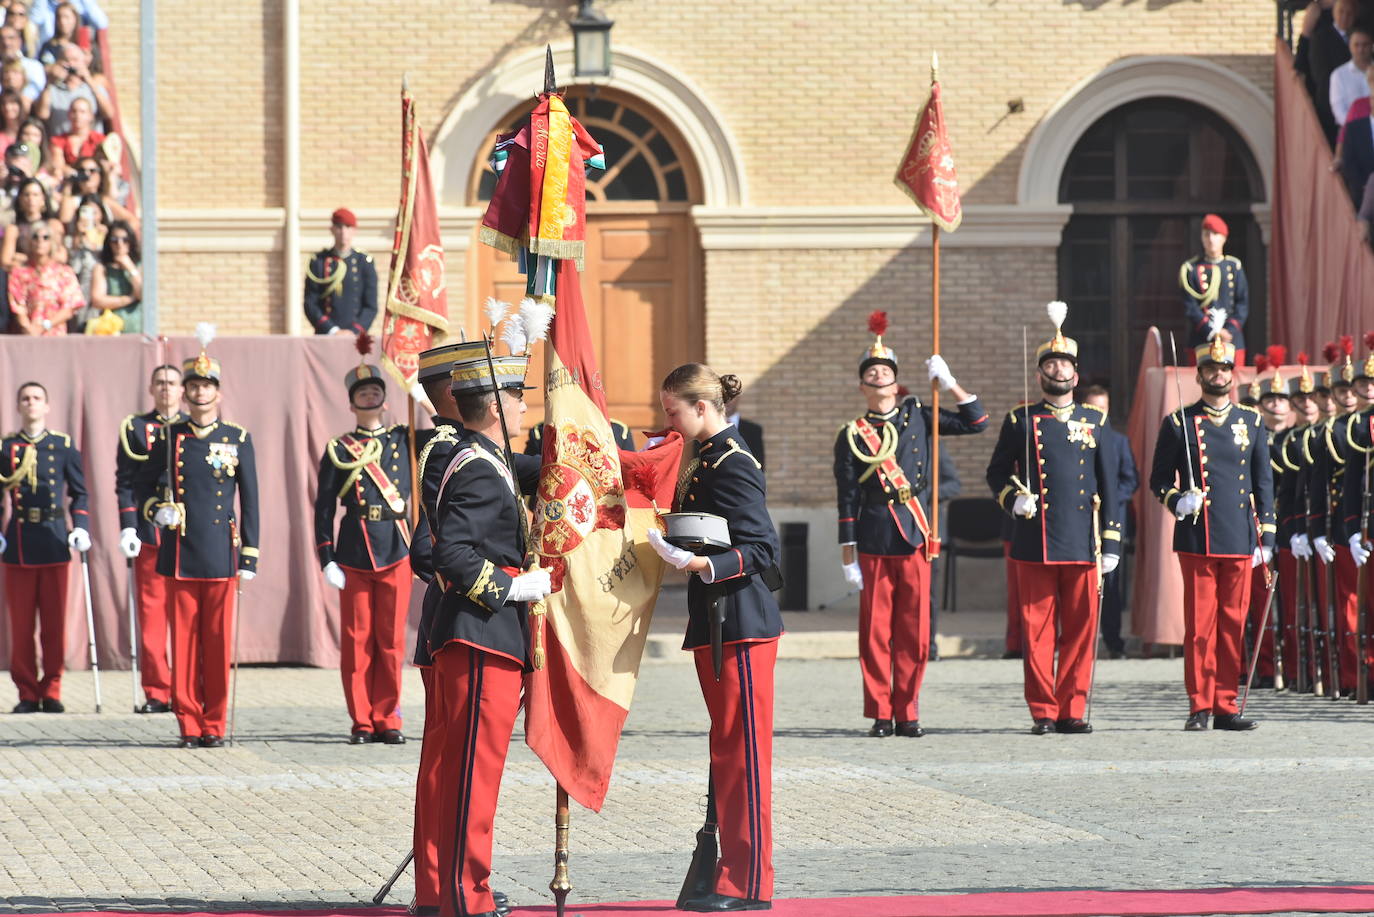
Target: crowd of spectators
69	253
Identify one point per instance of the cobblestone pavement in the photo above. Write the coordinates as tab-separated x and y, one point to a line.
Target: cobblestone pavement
101	811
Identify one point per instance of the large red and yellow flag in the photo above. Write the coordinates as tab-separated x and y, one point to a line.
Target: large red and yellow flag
594	508
416	292
927	173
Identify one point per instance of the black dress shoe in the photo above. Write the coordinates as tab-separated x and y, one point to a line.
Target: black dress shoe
423	910
211	740
189	742
1073	726
26	706
910	728
502	903
1197	722
53	705
880	729
1234	722
154	706
392	737
1042	727
1012	654
716	902
361	737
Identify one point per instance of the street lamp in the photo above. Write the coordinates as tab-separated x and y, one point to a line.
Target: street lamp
591	30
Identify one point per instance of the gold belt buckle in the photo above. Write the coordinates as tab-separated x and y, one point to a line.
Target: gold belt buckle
904	493
35	515
374	512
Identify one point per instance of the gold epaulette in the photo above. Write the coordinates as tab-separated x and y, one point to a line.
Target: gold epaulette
243	434
1093	407
443	434
1249	407
733	450
1017	410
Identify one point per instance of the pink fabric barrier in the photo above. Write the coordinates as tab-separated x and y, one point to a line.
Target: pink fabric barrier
289	394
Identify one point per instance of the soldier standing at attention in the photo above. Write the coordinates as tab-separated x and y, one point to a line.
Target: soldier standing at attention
882	484
36	466
1067	524
1211	470
1216	297
341	283
139	537
205	545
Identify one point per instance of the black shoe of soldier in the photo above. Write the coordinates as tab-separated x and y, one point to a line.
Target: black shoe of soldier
716	903
1265	683
361	737
189	742
880	729
426	910
154	706
910	728
1197	722
53	705
1073	726
26	706
211	741
392	737
1011	654
1234	722
502	903
1042	727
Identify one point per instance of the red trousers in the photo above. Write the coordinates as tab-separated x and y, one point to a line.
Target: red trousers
480	696
741	708
894	633
1347	615
1058	612
37	596
1014	644
372	643
428	785
1216	595
1258	596
1286	607
154	612
202	624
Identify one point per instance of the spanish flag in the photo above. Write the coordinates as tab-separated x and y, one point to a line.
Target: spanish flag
927	172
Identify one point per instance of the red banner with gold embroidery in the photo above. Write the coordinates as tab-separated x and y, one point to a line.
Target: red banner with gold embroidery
416	293
927	172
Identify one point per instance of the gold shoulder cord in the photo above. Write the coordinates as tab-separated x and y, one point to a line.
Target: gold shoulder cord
332	283
1331	445
441	436
1350	433
372	452
1213	289
126	429
26	473
886	450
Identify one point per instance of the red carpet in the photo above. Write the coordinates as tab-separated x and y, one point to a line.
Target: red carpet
1347	899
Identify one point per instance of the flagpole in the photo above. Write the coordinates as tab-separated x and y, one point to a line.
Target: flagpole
933	551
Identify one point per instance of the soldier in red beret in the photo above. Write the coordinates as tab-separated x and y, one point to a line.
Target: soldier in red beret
1216	297
341	283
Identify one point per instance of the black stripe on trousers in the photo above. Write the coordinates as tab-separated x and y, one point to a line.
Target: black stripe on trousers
476	666
751	767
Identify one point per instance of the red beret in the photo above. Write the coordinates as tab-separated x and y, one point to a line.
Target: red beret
344	217
1213	223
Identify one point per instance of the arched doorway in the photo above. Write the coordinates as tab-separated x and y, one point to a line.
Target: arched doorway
642	281
1140	179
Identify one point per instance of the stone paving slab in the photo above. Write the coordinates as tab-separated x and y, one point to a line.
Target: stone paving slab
101	811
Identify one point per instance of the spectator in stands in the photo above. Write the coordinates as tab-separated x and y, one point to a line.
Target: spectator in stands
116	283
1347	80
85	241
1355	154
17	15
31	209
68	24
1322	47
43	14
1366	213
82	140
11	117
13	79
44	292
12	49
88	179
56	99
110	156
33	135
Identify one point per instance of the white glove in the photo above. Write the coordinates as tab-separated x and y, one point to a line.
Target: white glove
1024	506
1188	504
1300	546
129	543
1109	563
167	516
79	540
246	576
334	330
677	557
334	575
3	544
853	575
530	587
1358	551
939	369
1262	555
1216	321
1323	549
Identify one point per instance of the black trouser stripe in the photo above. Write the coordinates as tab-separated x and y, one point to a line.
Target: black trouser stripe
750	768
476	662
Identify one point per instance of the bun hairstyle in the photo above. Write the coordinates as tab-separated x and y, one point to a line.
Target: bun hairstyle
693	382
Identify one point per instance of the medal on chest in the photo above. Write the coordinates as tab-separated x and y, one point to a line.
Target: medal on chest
223	458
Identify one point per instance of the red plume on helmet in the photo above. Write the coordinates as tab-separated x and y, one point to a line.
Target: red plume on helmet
1278	355
363	343
1261	364
1330	352
1302	358
877	322
1347	344
1369	340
